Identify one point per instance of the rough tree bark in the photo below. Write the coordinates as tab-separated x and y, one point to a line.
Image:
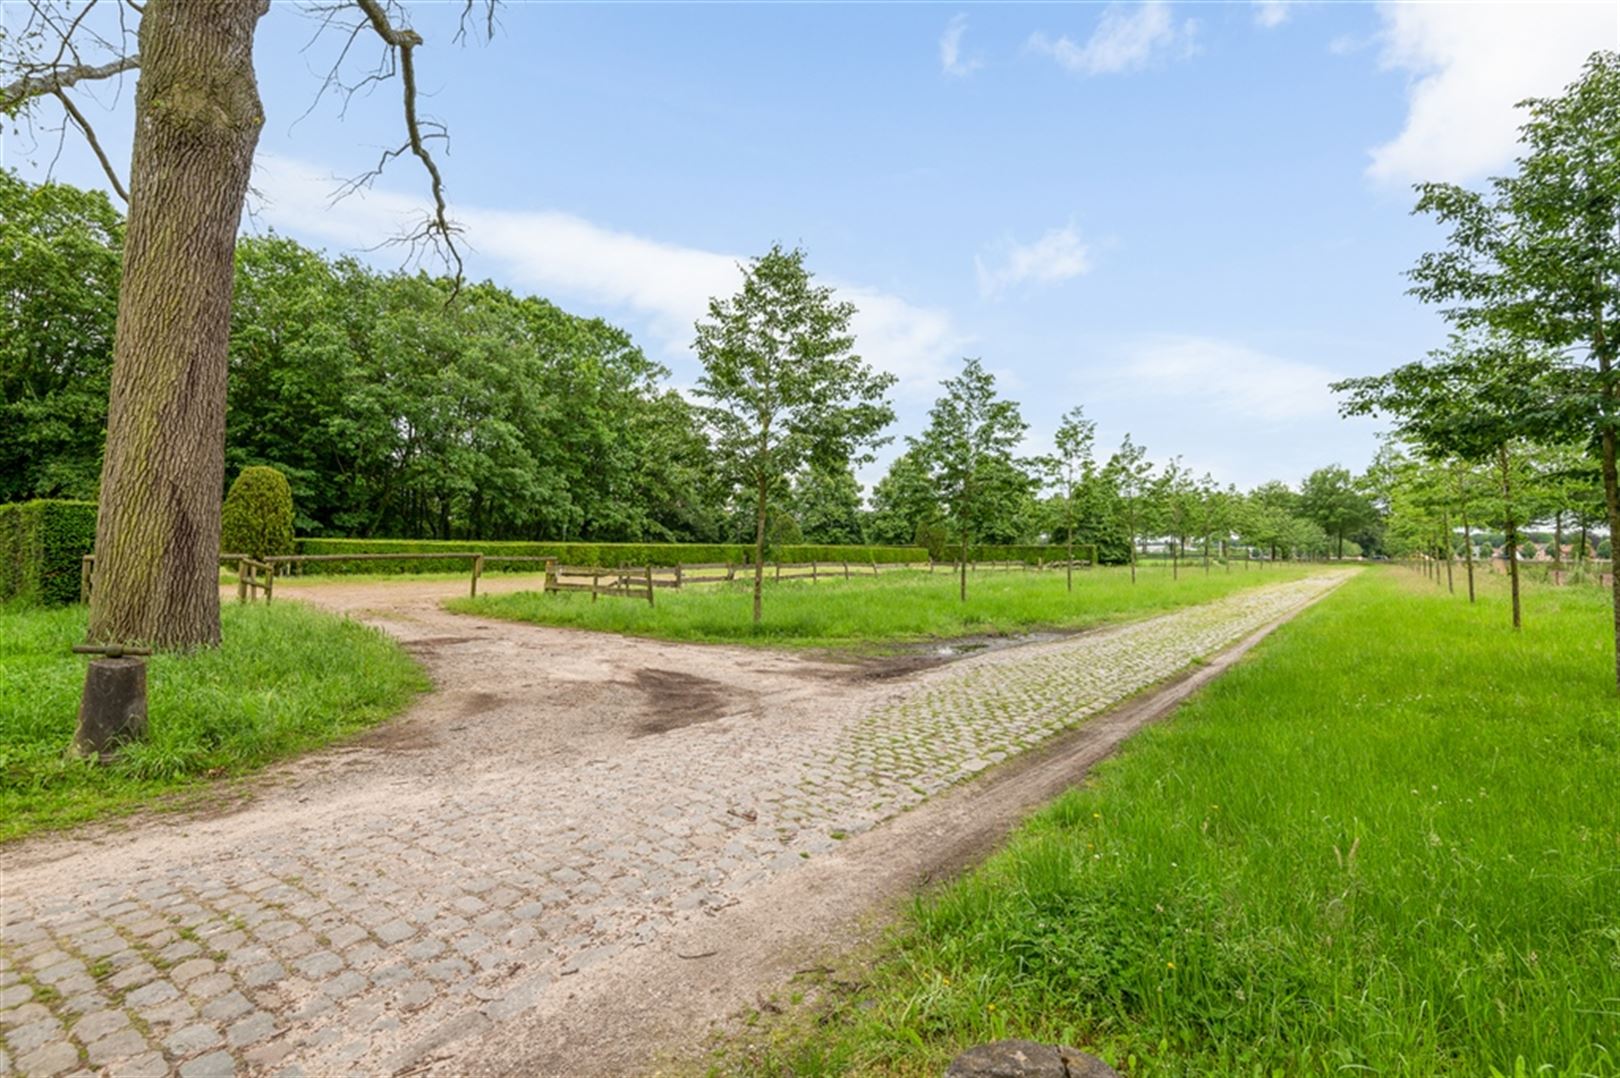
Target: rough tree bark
197	122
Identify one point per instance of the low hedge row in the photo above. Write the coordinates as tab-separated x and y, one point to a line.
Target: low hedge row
855	555
1030	552
42	546
607	555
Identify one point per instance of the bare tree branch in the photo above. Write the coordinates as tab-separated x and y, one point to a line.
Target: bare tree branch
438	229
52	80
95	144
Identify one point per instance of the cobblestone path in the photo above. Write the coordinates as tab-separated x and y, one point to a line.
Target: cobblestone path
369	922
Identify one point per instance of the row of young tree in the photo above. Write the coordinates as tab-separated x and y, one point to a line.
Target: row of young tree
1526	391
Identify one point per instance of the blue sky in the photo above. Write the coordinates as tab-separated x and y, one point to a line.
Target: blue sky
1186	217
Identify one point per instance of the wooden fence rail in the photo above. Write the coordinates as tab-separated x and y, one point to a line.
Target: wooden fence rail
254	576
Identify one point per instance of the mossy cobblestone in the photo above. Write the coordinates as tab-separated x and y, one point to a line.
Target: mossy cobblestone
368	941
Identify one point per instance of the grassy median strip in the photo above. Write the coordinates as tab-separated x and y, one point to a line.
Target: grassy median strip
1386	843
893	607
287	678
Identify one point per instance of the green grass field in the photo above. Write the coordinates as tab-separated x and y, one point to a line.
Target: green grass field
1386	843
287	678
892	608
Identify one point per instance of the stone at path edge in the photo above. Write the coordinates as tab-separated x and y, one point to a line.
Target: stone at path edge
1027	1059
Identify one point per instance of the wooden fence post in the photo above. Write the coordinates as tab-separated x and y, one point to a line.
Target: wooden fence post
677	576
269	583
649	586
551	575
779	570
86	565
477	571
874	565
241	581
813	577
594	578
846	570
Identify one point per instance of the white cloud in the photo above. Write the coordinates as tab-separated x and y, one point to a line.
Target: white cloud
1469	64
1126	38
1057	256
1271	13
1236	381
951	60
568	258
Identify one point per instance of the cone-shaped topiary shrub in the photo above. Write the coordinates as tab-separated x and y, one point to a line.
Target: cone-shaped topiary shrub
258	515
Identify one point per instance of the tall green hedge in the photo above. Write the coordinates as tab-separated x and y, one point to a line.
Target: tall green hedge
607	555
42	546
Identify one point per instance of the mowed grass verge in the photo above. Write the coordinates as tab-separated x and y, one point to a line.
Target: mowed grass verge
1386	843
287	678
895	607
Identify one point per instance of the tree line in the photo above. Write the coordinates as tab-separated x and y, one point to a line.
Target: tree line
400	405
1518	410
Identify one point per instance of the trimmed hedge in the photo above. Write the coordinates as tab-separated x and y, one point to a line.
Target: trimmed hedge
1035	553
606	555
257	517
856	555
42	548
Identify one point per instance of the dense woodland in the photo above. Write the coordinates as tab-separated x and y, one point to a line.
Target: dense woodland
399	406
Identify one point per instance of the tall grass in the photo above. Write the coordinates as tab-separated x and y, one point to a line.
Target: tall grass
1386	843
892	607
286	678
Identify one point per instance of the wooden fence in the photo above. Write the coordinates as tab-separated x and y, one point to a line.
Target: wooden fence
258	576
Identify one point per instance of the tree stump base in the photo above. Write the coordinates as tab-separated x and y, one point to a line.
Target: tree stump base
112	711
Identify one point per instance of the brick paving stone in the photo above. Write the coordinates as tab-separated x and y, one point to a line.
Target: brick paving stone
57	1057
25	1039
94	1026
152	994
213	1065
192	1039
125	1044
152	1065
231	1005
251	1029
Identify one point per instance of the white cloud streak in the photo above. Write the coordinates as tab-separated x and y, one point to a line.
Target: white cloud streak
1240	383
951	59
1058	255
568	258
1469	64
1126	38
1271	13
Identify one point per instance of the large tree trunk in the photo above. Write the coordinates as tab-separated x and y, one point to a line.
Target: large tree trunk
197	121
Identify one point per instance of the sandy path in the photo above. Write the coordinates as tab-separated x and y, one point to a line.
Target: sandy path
480	884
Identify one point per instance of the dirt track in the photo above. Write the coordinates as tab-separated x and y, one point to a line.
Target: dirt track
507	878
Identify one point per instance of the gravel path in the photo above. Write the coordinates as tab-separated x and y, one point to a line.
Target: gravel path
562	800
